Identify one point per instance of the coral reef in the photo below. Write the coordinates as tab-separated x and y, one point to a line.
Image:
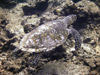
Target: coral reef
18	18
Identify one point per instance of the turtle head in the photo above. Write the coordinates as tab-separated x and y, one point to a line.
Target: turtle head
69	19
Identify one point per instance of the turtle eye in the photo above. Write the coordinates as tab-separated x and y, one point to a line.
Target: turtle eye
74	17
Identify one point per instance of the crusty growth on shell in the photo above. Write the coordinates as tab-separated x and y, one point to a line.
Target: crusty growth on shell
47	36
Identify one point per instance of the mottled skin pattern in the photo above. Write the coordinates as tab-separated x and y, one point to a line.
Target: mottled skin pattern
50	35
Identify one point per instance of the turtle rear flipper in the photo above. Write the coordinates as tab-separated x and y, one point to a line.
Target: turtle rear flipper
75	34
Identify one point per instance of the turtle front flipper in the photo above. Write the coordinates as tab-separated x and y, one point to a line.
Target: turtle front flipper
75	34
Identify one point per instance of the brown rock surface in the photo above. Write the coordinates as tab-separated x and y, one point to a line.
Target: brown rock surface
24	17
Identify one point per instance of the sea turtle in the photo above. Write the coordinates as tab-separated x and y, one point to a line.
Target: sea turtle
50	35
